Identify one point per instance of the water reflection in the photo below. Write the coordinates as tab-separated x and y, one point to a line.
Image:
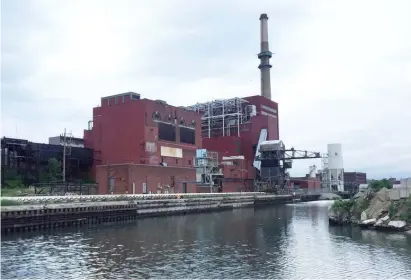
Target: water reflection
292	242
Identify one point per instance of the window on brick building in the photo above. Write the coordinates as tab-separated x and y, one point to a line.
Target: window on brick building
187	135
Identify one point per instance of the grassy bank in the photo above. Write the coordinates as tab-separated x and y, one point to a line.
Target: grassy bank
353	206
8	202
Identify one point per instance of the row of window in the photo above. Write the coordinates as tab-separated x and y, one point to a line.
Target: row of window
167	132
189	162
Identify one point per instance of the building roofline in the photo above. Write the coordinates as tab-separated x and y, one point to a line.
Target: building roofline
120	94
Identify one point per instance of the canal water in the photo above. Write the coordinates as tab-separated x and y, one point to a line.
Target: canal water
282	242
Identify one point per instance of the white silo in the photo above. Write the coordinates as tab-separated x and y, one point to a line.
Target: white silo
312	171
335	167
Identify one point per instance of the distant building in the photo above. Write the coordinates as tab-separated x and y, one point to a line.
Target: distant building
70	141
356	178
29	160
394	181
306	183
352	180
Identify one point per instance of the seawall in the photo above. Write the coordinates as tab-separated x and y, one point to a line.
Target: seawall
76	212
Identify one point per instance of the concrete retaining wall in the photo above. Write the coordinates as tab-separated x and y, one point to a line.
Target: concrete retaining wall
122	197
45	216
406	182
399	193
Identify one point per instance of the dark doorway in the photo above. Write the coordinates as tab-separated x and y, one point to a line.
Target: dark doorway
184	187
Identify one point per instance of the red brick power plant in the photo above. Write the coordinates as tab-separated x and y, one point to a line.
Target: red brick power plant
149	146
143	146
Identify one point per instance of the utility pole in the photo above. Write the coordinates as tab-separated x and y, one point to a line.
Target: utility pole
211	183
64	156
67	138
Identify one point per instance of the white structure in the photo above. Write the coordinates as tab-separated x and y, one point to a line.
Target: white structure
69	140
223	117
312	171
335	167
363	187
405	182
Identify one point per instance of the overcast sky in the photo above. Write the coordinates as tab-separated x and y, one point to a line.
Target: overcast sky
341	70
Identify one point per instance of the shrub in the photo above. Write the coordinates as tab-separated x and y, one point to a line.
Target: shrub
377	185
343	205
362	204
406	216
8	202
393	210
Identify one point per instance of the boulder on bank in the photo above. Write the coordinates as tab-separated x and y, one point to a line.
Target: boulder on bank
382	222
368	223
398	225
363	216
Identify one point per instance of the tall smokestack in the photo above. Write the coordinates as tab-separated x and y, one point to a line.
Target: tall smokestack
264	57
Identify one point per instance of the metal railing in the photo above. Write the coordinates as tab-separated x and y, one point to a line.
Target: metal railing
59	188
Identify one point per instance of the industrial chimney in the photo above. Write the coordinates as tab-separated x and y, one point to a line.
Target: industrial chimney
264	57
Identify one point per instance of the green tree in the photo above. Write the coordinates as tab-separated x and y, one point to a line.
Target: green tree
52	171
12	179
377	185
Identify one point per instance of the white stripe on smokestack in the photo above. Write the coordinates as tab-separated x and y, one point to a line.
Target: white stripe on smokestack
264	57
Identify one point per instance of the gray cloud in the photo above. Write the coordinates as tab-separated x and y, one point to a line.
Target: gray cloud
340	73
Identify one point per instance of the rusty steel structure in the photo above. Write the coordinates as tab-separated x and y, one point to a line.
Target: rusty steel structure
29	160
275	161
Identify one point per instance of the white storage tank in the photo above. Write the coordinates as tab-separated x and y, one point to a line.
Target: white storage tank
336	166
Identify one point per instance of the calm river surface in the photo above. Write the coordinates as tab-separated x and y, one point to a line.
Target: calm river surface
288	241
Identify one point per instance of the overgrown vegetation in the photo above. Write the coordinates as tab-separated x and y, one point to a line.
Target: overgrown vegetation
362	204
404	211
52	171
14	185
377	185
394	207
343	205
12	179
398	210
401	209
8	202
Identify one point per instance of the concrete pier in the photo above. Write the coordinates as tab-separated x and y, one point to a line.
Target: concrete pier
31	217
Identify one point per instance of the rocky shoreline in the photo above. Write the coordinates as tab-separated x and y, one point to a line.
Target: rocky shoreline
372	210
